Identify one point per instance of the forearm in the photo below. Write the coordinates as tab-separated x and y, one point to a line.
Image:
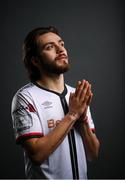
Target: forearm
44	146
91	142
39	149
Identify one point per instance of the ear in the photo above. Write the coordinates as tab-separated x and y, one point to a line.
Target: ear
35	61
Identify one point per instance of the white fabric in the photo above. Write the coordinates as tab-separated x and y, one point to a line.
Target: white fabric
32	109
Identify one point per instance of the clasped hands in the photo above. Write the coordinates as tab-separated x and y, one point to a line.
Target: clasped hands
80	100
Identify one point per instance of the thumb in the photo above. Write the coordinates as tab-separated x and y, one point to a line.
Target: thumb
71	94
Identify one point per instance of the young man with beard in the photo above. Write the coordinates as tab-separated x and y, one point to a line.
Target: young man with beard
51	120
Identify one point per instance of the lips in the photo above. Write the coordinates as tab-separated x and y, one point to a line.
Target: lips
63	56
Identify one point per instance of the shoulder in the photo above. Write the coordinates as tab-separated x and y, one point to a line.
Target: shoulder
26	88
22	97
23	91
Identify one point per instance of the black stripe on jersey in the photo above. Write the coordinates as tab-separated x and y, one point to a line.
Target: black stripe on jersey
71	136
73	154
72	143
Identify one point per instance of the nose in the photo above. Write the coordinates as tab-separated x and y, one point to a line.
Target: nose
60	49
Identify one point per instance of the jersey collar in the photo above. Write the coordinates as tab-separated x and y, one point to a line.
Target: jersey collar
63	94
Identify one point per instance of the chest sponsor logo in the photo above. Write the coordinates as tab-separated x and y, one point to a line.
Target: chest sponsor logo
47	104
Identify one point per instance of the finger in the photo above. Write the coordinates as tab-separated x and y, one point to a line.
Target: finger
77	88
81	88
71	95
89	99
88	92
85	112
85	91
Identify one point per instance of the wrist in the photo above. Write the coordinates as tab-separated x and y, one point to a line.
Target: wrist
73	115
85	120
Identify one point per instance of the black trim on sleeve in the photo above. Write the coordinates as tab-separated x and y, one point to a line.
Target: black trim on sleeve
22	139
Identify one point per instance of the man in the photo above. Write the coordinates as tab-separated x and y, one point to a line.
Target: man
51	120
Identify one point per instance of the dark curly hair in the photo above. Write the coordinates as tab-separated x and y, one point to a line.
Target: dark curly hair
31	49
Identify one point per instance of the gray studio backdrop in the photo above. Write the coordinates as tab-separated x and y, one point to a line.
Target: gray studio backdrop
93	31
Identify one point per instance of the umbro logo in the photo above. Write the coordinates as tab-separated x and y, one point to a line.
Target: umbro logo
47	104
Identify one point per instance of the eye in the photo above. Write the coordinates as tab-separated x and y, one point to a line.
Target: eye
62	44
49	46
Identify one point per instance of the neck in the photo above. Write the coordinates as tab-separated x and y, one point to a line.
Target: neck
53	82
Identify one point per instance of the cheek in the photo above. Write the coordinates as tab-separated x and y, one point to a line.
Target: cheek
49	55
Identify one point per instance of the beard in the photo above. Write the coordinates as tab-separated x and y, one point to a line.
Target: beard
54	67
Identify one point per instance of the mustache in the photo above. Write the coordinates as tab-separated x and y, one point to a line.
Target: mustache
60	56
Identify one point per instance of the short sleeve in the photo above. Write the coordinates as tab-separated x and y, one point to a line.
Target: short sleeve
90	120
26	123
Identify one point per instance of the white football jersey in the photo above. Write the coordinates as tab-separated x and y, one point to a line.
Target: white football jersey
35	112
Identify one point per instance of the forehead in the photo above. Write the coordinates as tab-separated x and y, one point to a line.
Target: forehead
48	37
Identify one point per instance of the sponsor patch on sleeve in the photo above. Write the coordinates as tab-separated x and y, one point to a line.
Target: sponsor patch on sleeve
22	119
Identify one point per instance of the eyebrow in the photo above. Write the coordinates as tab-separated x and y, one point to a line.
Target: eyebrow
51	42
